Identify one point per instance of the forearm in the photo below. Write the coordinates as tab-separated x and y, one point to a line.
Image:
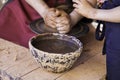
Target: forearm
110	15
39	5
75	17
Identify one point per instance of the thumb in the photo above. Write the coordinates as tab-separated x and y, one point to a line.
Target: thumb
57	13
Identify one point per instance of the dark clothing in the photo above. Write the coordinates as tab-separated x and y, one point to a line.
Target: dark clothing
15	18
112	44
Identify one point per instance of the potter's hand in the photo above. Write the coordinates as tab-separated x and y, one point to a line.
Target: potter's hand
83	7
63	22
59	19
50	17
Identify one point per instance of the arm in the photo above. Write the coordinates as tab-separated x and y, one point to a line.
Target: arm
48	14
75	16
111	15
53	17
42	8
39	5
84	8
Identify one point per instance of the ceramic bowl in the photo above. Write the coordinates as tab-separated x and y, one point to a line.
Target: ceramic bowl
55	52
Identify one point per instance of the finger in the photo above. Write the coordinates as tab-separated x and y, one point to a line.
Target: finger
53	12
52	26
76	1
78	10
63	13
63	20
63	28
59	25
51	23
75	5
63	32
50	17
62	25
58	13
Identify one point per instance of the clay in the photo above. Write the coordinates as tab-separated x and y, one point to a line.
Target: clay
55	46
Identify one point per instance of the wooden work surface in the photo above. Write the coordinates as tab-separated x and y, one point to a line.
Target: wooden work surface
17	61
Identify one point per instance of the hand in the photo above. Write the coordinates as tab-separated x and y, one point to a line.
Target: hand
63	22
59	19
83	7
100	2
50	17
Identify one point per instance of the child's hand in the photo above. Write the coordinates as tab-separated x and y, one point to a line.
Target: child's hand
83	7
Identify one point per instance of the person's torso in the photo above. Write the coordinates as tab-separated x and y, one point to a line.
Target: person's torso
112	29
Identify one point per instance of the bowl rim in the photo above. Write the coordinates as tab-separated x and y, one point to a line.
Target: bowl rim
80	44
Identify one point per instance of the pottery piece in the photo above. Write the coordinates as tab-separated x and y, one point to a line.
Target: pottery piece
55	52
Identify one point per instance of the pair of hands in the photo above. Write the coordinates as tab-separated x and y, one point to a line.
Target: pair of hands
62	21
58	19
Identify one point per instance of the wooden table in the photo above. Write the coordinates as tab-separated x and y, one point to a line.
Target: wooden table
17	61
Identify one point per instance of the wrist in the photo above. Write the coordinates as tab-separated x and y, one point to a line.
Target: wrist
75	17
92	14
45	12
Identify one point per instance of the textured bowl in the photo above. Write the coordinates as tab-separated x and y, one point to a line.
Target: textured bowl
55	52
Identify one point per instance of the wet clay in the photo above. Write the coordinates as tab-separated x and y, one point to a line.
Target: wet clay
55	46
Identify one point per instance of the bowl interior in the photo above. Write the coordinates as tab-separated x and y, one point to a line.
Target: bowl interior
59	44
